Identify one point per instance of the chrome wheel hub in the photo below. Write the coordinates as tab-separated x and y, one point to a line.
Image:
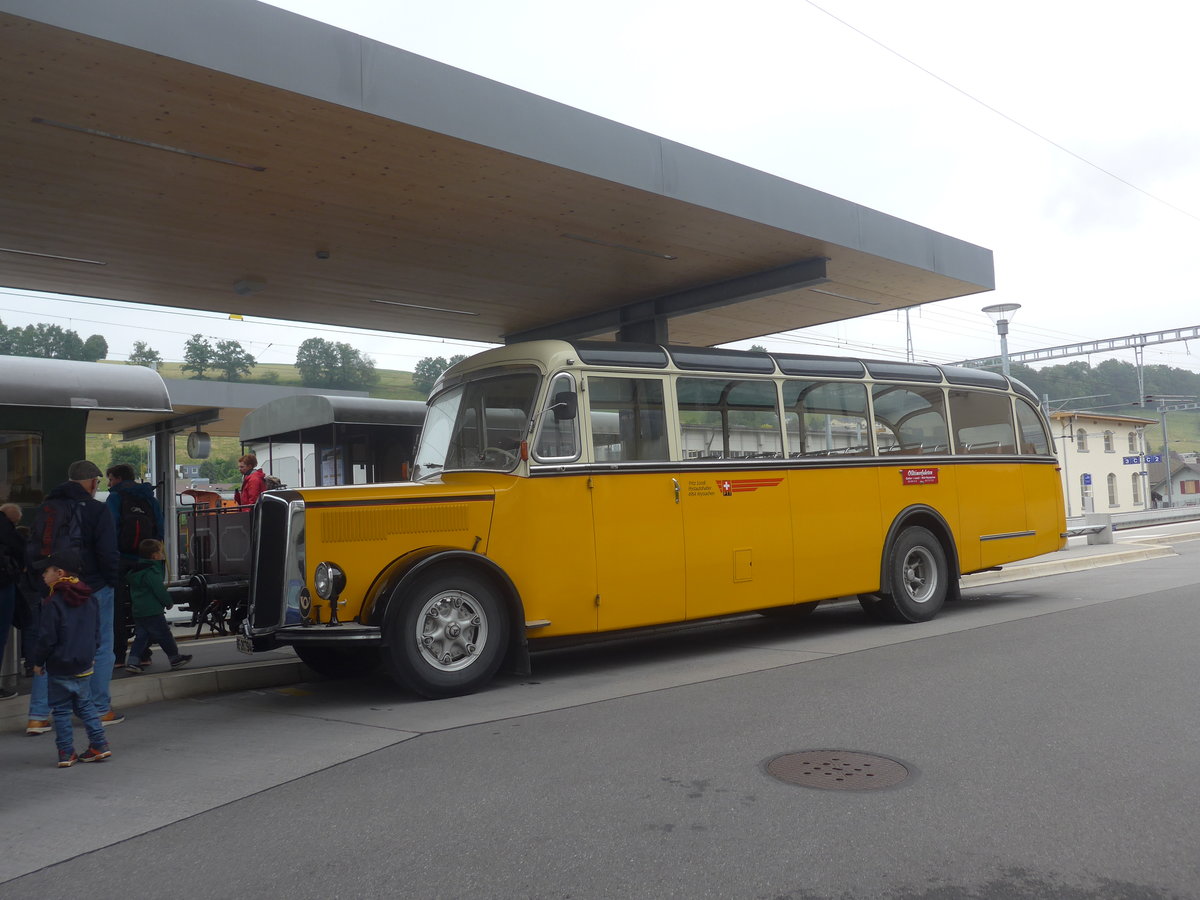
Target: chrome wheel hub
450	630
920	575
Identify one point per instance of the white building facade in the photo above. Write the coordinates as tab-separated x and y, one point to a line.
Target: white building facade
1104	459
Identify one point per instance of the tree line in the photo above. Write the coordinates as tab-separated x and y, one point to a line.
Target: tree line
1112	383
321	363
51	342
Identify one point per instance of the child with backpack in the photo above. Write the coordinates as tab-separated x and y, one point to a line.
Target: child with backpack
150	601
68	635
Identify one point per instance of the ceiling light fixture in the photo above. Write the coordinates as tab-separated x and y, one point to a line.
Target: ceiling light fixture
150	144
844	297
588	240
442	309
90	262
248	286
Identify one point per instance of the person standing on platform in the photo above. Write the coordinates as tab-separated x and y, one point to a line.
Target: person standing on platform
68	635
253	481
71	518
138	517
12	565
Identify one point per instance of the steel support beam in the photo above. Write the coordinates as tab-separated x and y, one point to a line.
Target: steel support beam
169	426
1134	341
646	320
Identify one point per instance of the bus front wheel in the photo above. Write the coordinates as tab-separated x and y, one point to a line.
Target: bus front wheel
448	636
918	579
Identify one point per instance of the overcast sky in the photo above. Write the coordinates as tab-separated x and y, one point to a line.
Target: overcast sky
1061	135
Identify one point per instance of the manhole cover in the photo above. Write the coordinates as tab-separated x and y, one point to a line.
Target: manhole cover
837	770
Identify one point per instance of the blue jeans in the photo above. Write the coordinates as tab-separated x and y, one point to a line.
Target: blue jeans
39	701
70	693
152	630
104	653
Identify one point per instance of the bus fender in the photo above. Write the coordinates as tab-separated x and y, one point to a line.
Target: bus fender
408	568
929	518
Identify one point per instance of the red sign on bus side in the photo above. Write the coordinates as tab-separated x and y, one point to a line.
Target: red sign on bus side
919	476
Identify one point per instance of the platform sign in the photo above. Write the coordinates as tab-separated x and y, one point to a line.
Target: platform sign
1155	458
1131	460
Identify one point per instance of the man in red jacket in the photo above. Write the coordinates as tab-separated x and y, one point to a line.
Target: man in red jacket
253	481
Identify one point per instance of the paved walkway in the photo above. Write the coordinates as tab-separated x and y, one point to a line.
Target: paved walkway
219	667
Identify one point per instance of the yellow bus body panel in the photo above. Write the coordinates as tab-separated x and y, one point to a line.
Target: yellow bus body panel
364	528
838	529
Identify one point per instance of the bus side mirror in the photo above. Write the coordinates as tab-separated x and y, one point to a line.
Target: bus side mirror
565	406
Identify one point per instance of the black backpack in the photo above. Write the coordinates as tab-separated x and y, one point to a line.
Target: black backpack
137	522
58	525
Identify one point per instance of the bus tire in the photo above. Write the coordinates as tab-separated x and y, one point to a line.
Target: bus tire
339	662
918	577
448	635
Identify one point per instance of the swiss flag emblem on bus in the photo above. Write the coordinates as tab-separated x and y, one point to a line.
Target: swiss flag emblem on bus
729	487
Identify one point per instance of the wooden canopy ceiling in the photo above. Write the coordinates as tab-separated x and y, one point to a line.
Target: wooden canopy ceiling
234	157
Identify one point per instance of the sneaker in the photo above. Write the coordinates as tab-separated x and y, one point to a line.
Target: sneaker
180	661
67	758
134	668
112	717
7	694
95	754
38	726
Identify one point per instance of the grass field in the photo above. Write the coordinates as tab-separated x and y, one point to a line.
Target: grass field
392	384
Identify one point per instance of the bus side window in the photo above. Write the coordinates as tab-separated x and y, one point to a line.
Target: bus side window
826	418
557	439
1033	435
910	419
982	422
629	420
728	419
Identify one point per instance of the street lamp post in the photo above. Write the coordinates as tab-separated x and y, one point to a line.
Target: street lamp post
1000	313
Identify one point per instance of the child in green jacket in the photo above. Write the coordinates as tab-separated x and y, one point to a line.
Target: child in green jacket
150	600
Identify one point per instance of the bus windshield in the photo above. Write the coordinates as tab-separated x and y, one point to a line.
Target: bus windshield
478	424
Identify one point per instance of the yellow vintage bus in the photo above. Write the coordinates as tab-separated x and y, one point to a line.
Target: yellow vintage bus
567	489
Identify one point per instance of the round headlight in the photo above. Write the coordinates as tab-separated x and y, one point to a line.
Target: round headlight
328	580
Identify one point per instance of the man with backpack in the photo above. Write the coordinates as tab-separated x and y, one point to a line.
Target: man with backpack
138	517
70	518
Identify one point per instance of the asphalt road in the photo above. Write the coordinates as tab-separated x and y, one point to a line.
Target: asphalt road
1050	729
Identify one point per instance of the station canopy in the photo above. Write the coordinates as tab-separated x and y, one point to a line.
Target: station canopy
232	156
114	398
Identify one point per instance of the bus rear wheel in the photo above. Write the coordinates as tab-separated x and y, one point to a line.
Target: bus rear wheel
448	635
918	579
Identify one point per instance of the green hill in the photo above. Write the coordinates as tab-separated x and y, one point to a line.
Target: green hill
392	384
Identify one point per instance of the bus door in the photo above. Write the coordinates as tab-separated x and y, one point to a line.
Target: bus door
637	514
